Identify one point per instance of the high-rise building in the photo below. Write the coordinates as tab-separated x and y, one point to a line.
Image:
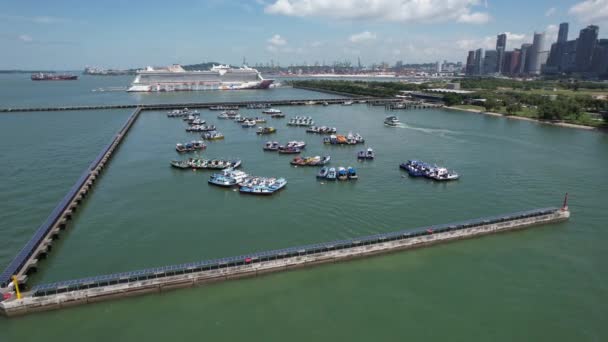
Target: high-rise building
490	62
600	58
511	62
524	58
501	41
501	47
587	41
537	55
478	66
470	67
562	36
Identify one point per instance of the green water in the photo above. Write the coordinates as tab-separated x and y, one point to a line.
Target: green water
546	283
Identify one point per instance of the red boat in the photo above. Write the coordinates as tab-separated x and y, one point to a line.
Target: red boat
53	77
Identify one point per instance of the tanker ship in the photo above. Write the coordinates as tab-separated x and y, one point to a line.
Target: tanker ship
220	77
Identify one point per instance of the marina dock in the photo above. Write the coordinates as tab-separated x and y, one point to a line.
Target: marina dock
40	297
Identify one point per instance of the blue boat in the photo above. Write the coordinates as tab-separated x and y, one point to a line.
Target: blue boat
262	186
342	173
352	173
331	174
416	168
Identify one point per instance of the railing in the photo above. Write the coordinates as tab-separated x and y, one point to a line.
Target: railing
222	263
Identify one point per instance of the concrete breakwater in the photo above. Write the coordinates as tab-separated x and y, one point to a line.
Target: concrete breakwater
40	243
95	289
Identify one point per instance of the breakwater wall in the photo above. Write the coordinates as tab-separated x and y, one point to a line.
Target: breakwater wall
40	243
94	289
198	105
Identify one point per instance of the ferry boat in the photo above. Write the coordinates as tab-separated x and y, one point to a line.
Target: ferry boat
52	77
176	78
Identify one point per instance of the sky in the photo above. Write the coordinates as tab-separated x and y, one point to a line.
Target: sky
72	34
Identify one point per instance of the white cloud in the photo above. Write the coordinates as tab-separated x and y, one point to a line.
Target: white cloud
362	37
551	11
277	40
383	10
591	11
25	38
474	18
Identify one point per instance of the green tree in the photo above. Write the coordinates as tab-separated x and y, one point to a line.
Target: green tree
452	99
513	108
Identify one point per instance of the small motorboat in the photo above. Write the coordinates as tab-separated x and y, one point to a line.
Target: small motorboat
223	116
442	174
342	173
391	121
259	120
271	146
331	174
347	103
271	111
323	173
289	150
213	135
266	130
249	123
191	146
352	173
366	154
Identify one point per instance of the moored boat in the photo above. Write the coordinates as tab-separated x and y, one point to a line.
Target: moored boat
262	186
331	174
342	173
271	146
323	173
196	163
271	111
266	130
194	145
213	135
366	154
352	173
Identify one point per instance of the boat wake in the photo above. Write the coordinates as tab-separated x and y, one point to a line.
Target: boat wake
445	133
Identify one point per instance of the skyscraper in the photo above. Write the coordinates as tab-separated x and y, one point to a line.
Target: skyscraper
490	62
470	67
587	40
562	36
501	41
478	66
537	56
501	46
600	58
524	58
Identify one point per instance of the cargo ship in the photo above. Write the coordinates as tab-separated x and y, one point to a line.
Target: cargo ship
219	77
53	77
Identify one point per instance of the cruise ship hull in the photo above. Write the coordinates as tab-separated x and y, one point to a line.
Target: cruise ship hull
198	86
175	78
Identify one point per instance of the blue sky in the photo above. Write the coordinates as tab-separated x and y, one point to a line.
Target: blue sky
68	34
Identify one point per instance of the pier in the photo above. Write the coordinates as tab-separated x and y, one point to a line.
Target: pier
42	297
155	280
202	105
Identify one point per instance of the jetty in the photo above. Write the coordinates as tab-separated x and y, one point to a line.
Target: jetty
17	297
204	105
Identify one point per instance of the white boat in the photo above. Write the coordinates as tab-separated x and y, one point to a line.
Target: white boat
271	111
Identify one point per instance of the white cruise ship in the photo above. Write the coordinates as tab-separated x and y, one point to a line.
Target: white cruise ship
220	77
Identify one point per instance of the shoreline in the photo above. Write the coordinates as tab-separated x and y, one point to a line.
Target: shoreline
515	117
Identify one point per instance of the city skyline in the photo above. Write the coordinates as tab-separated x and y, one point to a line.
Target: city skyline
122	35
